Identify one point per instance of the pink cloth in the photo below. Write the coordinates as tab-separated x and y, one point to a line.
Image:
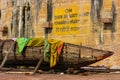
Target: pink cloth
14	39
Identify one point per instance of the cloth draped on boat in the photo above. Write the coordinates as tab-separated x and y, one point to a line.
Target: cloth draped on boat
47	51
35	42
52	48
55	50
22	42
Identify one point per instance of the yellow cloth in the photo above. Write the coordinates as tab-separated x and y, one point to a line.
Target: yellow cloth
54	56
52	48
36	42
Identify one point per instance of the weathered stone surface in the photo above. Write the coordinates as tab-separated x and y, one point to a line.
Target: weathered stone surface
82	22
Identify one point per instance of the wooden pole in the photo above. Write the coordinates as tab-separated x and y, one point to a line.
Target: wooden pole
6	56
39	63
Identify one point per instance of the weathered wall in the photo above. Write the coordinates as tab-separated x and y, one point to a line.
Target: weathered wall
74	24
93	23
23	18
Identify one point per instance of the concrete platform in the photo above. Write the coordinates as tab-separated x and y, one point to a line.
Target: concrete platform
101	76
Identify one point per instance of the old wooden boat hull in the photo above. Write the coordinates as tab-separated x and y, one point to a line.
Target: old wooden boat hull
73	56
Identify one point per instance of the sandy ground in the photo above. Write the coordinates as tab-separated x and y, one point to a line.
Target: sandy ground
101	76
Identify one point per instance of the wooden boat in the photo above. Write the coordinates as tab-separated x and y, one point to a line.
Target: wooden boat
73	56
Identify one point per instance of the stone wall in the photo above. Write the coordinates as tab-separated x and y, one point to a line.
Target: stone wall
22	17
93	23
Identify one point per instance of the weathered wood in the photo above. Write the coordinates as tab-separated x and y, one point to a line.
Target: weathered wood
16	72
71	56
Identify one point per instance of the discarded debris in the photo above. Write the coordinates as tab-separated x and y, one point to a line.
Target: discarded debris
115	67
14	72
100	69
62	73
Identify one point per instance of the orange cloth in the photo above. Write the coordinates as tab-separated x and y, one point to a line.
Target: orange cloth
59	48
55	50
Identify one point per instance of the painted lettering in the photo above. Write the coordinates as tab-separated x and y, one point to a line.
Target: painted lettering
68	10
59	17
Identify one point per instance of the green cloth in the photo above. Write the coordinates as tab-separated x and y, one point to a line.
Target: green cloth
46	51
36	42
22	42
